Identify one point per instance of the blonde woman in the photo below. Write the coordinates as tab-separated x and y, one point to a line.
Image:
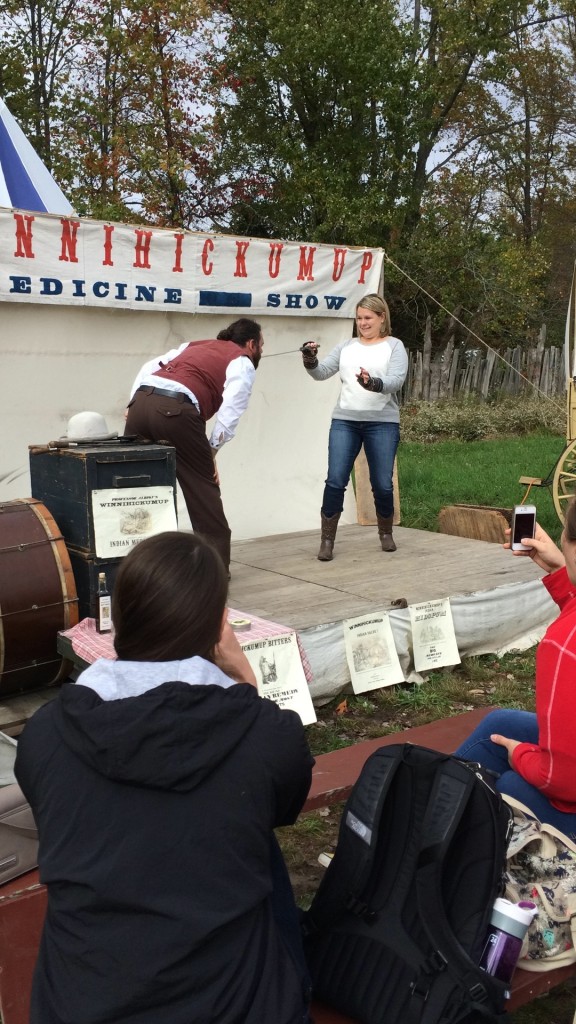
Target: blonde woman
372	370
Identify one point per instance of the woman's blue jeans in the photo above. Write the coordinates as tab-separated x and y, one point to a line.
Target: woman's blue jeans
380	442
515	725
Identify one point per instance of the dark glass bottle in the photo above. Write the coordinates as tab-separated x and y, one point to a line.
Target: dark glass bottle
103	606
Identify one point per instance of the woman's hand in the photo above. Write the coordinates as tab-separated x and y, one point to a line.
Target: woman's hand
543	550
367	382
309	352
230	658
503	741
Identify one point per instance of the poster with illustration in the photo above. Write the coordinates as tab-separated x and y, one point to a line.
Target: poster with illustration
279	673
433	636
124	516
371	653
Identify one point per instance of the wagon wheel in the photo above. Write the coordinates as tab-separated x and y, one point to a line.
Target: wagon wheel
564	482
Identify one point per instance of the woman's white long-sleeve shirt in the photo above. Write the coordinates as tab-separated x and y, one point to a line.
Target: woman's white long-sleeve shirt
386	359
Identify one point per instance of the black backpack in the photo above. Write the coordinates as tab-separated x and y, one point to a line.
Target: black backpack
397	927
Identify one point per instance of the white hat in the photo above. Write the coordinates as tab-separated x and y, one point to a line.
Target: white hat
88	426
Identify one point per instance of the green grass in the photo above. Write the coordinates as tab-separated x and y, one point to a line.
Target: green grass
434	474
507	681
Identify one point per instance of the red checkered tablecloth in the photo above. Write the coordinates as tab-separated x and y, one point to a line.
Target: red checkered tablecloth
89	645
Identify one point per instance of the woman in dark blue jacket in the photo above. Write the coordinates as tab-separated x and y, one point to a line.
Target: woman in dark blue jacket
156	782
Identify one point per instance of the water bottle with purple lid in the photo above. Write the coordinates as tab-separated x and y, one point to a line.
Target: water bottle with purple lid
508	926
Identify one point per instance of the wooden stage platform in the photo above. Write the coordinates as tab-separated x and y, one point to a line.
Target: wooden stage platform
496	598
280	578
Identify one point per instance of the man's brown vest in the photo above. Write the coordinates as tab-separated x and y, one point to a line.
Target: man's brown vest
201	368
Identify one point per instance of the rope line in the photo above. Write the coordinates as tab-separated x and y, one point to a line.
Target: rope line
292	351
473	333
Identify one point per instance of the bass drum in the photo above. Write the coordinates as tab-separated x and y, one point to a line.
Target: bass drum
37	597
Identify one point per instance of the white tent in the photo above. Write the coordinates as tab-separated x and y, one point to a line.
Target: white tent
83	304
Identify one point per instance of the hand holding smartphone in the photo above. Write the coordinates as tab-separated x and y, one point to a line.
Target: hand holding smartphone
523	525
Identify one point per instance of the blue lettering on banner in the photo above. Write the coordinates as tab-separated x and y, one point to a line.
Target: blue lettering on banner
144	293
121	291
207	298
21	285
292	301
50	286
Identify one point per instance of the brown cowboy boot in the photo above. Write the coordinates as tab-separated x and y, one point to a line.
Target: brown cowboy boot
385	532
329	527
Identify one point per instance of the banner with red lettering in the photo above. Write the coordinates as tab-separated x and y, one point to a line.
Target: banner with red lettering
70	261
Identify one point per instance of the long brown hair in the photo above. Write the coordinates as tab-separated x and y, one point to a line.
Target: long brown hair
169	599
241	332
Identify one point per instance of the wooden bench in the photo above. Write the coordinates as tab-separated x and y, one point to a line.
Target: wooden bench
23	901
334	776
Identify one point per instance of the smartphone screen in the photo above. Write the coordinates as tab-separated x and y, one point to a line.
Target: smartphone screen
524	523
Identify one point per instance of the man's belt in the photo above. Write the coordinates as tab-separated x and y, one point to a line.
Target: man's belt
180	395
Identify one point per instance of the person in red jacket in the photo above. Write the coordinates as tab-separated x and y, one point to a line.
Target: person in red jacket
174	396
535	754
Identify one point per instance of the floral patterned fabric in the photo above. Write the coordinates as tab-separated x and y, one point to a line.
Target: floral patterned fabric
542	868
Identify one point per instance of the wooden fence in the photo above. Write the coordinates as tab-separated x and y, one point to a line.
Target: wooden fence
457	372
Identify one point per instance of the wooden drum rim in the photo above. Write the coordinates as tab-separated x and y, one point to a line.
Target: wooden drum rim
63	565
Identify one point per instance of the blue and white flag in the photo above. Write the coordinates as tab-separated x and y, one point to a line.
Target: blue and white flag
25	183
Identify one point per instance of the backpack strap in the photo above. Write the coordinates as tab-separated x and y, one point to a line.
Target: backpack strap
364	811
450	967
343	887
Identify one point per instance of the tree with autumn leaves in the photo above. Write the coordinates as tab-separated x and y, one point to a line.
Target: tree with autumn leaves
440	131
124	91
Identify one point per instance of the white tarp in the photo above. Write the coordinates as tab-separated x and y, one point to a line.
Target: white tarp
509	618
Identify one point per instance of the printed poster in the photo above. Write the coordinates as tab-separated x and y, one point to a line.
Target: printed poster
124	516
371	653
433	636
279	673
